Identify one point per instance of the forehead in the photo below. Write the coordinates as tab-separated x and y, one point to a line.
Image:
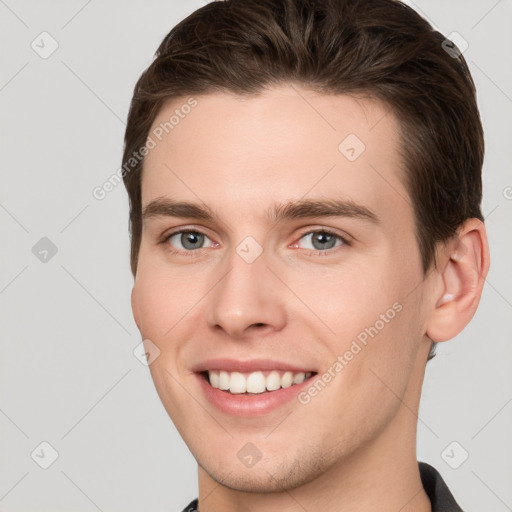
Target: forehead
234	151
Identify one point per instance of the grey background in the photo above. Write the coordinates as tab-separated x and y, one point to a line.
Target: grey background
68	373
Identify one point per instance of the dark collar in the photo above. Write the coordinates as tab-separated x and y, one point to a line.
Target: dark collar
440	496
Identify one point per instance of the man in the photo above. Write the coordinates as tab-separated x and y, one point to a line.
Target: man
305	183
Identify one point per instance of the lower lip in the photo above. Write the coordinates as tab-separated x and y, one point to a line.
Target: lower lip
244	405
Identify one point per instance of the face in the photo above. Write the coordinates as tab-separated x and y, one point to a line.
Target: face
297	270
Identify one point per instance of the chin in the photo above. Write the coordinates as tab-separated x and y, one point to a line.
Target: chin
268	475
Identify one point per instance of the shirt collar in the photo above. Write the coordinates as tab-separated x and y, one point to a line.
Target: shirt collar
440	496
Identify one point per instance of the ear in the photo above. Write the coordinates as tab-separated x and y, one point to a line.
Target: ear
135	308
463	277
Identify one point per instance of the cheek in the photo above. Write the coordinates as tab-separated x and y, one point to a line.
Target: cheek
347	300
368	318
162	311
153	307
160	299
167	308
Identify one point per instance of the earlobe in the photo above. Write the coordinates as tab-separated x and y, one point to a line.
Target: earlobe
463	277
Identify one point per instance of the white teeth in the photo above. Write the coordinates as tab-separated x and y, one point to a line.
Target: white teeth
237	383
255	382
287	379
223	380
273	381
214	379
299	377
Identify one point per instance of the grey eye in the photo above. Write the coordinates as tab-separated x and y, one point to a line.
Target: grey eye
322	240
189	240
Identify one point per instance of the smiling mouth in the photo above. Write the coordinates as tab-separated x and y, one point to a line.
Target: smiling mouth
254	383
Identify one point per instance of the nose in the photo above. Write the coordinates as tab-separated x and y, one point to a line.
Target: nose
247	300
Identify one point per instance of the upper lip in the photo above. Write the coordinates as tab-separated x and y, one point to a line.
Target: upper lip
247	366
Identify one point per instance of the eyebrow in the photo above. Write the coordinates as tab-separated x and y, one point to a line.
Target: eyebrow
303	208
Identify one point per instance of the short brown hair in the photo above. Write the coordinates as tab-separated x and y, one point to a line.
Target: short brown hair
379	48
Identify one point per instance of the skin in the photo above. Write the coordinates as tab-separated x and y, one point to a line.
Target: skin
353	446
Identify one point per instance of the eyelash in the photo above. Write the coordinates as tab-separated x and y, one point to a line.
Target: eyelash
196	252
